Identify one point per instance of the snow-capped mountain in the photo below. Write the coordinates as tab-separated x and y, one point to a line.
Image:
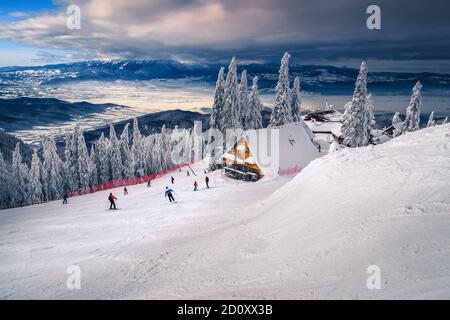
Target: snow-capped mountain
329	79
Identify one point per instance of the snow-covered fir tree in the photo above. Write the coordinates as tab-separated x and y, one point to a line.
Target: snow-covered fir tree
93	170
445	120
137	150
253	119
370	117
412	120
219	94
282	111
20	175
354	121
6	182
115	160
230	118
52	171
243	97
102	148
296	101
35	184
71	176
431	122
396	118
84	166
125	153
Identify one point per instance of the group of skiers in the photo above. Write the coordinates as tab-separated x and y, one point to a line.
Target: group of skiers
167	193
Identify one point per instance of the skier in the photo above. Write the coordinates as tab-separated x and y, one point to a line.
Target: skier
195	185
149	183
125	191
207	181
168	193
188	173
173	180
111	199
65	197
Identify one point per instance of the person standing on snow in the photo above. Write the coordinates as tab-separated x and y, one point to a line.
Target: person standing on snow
111	199
173	180
188	173
149	183
65	197
125	191
207	181
195	185
168	193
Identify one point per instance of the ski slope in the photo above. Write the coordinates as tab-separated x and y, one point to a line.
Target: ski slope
309	237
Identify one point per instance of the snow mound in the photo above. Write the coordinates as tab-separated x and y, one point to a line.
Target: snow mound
386	205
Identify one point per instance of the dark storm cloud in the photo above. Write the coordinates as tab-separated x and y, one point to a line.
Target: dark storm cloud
253	29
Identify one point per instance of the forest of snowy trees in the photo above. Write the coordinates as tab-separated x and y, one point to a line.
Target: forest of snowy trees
109	159
358	120
235	107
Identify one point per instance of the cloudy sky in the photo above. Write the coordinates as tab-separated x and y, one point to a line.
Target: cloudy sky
414	35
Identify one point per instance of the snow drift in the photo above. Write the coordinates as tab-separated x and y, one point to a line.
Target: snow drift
314	237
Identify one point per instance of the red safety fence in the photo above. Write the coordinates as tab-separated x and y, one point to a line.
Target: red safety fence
128	182
290	171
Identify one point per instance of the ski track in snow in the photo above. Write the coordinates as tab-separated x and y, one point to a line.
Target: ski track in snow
309	237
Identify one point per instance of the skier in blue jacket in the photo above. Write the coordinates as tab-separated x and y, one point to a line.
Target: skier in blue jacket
168	193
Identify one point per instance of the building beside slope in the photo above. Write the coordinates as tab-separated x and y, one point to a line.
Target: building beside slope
271	151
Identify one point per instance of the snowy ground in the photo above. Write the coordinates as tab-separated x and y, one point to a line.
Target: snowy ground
308	237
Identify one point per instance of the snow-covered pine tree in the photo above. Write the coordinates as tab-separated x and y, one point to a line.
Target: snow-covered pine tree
296	101
115	160
219	94
6	183
412	120
35	184
282	111
20	175
396	118
445	120
137	149
84	165
354	123
93	170
52	171
166	147
125	151
431	122
157	153
253	119
243	97
230	114
102	147
370	117
71	176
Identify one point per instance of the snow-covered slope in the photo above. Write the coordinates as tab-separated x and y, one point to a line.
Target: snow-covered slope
311	237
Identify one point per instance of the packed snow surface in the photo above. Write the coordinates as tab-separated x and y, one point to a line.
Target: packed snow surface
310	237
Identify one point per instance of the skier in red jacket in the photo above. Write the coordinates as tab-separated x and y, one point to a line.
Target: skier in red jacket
111	199
195	185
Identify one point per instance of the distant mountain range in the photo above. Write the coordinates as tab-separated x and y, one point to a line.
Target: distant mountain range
24	113
319	79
